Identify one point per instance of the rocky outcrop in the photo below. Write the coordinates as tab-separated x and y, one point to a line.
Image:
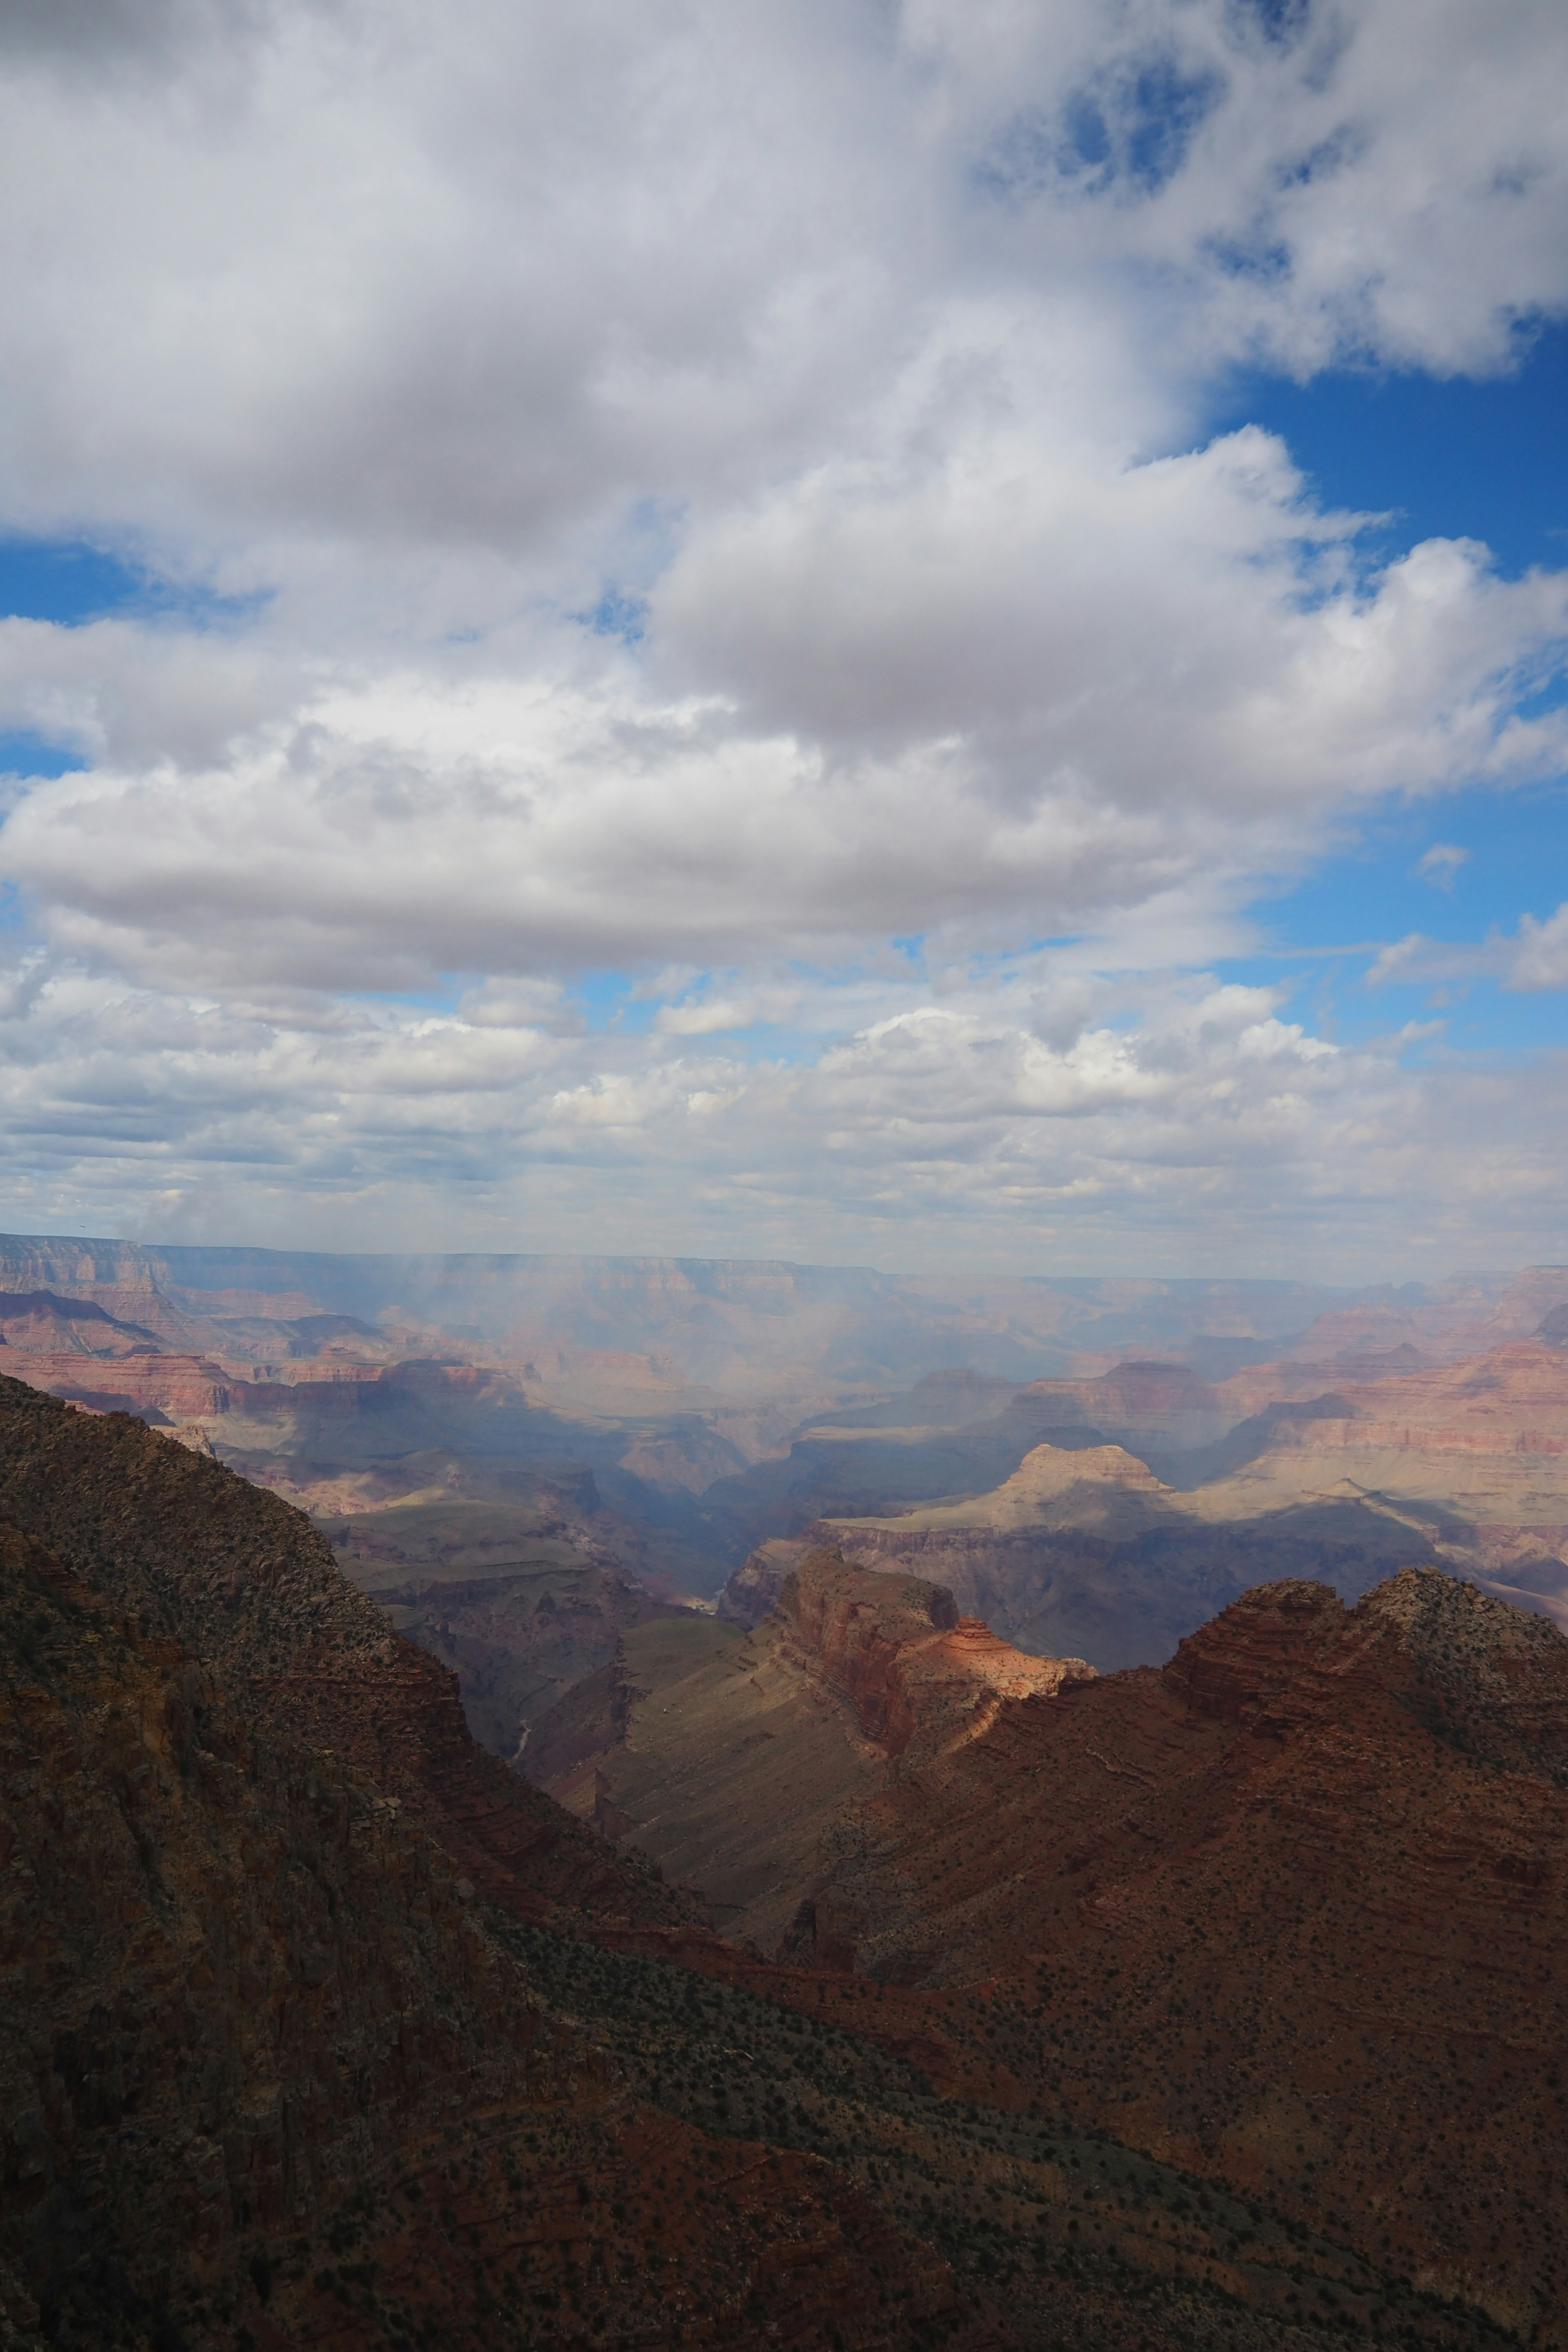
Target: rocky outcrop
1287	1909
731	1757
242	1580
915	1674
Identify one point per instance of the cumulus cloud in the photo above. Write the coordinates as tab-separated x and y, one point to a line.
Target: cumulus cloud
384	833
721	503
1200	1126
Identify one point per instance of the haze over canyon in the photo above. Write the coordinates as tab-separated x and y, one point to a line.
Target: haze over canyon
616	1801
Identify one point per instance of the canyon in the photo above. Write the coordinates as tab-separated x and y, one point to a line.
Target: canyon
1064	2007
525	1460
1288	1912
729	1757
1461	1466
694	1800
324	2027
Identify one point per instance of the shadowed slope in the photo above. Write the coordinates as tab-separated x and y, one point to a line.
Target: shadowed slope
1291	1911
730	1757
245	1582
269	2078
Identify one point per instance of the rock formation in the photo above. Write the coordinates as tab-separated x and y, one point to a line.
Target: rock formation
1086	1551
1290	1910
730	1757
270	2076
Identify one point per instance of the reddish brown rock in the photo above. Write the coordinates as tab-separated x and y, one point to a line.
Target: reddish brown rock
1291	1911
266	2077
895	1648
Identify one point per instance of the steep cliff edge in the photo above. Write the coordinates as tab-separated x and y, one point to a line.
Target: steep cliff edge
729	1756
918	1677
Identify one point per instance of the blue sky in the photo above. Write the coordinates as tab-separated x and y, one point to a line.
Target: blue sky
1441	457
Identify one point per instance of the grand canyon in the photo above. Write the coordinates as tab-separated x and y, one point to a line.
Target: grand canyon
652	1802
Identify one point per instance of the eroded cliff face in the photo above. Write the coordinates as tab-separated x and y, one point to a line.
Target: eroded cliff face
730	1756
1291	1910
918	1677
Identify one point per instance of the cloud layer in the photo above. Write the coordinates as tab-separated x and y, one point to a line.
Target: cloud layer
721	500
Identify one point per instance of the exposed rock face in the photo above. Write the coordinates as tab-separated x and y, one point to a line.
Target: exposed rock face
917	1675
1289	1909
1086	1549
730	1758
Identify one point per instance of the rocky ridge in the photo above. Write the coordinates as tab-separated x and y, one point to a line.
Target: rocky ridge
259	1599
1293	1922
270	2076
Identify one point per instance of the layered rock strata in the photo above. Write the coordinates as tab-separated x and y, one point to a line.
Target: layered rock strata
1291	1910
730	1757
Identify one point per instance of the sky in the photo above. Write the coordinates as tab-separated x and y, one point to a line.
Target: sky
929	634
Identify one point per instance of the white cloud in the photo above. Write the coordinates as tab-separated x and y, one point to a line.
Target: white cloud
1533	958
846	362
1441	863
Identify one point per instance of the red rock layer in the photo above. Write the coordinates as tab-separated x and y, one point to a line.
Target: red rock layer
898	1651
1291	1911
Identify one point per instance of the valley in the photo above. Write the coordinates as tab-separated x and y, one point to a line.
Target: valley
811	1847
462	1427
